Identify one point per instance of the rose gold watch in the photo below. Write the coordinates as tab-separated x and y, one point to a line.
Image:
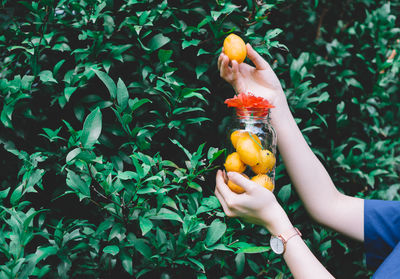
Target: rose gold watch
278	242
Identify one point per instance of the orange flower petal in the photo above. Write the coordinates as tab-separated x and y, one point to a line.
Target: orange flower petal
248	101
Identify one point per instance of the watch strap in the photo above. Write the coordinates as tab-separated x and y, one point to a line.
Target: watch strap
289	234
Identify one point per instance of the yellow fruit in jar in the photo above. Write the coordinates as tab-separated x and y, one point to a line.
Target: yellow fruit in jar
240	133
233	163
266	164
249	148
264	180
235	136
236	188
235	48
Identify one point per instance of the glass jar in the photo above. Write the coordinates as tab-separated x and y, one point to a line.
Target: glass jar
251	148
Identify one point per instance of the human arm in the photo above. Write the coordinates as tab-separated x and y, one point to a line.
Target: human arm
321	198
259	206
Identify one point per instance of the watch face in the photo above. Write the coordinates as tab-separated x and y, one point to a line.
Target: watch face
277	245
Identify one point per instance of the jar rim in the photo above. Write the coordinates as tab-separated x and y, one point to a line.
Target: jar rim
252	113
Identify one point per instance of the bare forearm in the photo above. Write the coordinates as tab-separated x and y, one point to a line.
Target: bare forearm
301	262
304	168
313	183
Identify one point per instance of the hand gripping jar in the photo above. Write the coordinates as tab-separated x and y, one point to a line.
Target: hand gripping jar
252	141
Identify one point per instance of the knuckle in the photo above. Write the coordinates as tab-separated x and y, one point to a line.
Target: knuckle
230	214
232	204
228	201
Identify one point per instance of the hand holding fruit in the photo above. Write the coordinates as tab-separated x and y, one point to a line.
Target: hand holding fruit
256	205
259	80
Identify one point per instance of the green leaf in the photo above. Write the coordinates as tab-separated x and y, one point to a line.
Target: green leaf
240	261
110	84
111	249
27	81
325	246
91	128
47	76
166	214
158	41
58	66
214	153
136	103
201	69
145	225
253	250
78	184
284	193
4	193
164	55
126	261
68	91
43	252
188	154
17	195
186	110
72	154
198	263
220	247
122	94
141	246
215	232
6	114
186	44
195	186
208	204
128	175
33	179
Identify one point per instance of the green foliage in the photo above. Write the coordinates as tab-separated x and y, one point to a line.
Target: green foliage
110	135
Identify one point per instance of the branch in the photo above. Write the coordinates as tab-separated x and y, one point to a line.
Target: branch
321	19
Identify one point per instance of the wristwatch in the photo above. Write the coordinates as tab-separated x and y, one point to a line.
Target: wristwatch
278	242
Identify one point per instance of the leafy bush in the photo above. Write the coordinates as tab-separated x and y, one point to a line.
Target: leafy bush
112	117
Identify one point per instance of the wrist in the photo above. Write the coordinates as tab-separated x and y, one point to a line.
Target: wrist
280	114
279	223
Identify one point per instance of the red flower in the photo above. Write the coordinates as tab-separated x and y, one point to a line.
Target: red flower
248	101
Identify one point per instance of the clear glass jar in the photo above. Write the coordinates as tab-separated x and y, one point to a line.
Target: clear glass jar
252	139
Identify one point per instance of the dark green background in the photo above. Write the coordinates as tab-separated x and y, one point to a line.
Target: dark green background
113	124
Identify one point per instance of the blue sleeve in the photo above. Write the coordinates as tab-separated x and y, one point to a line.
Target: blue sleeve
381	230
390	268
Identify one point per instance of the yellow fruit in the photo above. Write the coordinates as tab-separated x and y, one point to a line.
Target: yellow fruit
254	138
236	188
267	162
240	133
233	163
249	150
235	48
235	136
264	180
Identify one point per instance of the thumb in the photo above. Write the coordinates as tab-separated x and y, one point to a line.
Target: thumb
240	180
256	58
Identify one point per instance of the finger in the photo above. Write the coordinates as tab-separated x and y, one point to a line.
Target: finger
223	189
224	176
237	79
242	181
224	70
220	58
256	58
223	203
235	69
